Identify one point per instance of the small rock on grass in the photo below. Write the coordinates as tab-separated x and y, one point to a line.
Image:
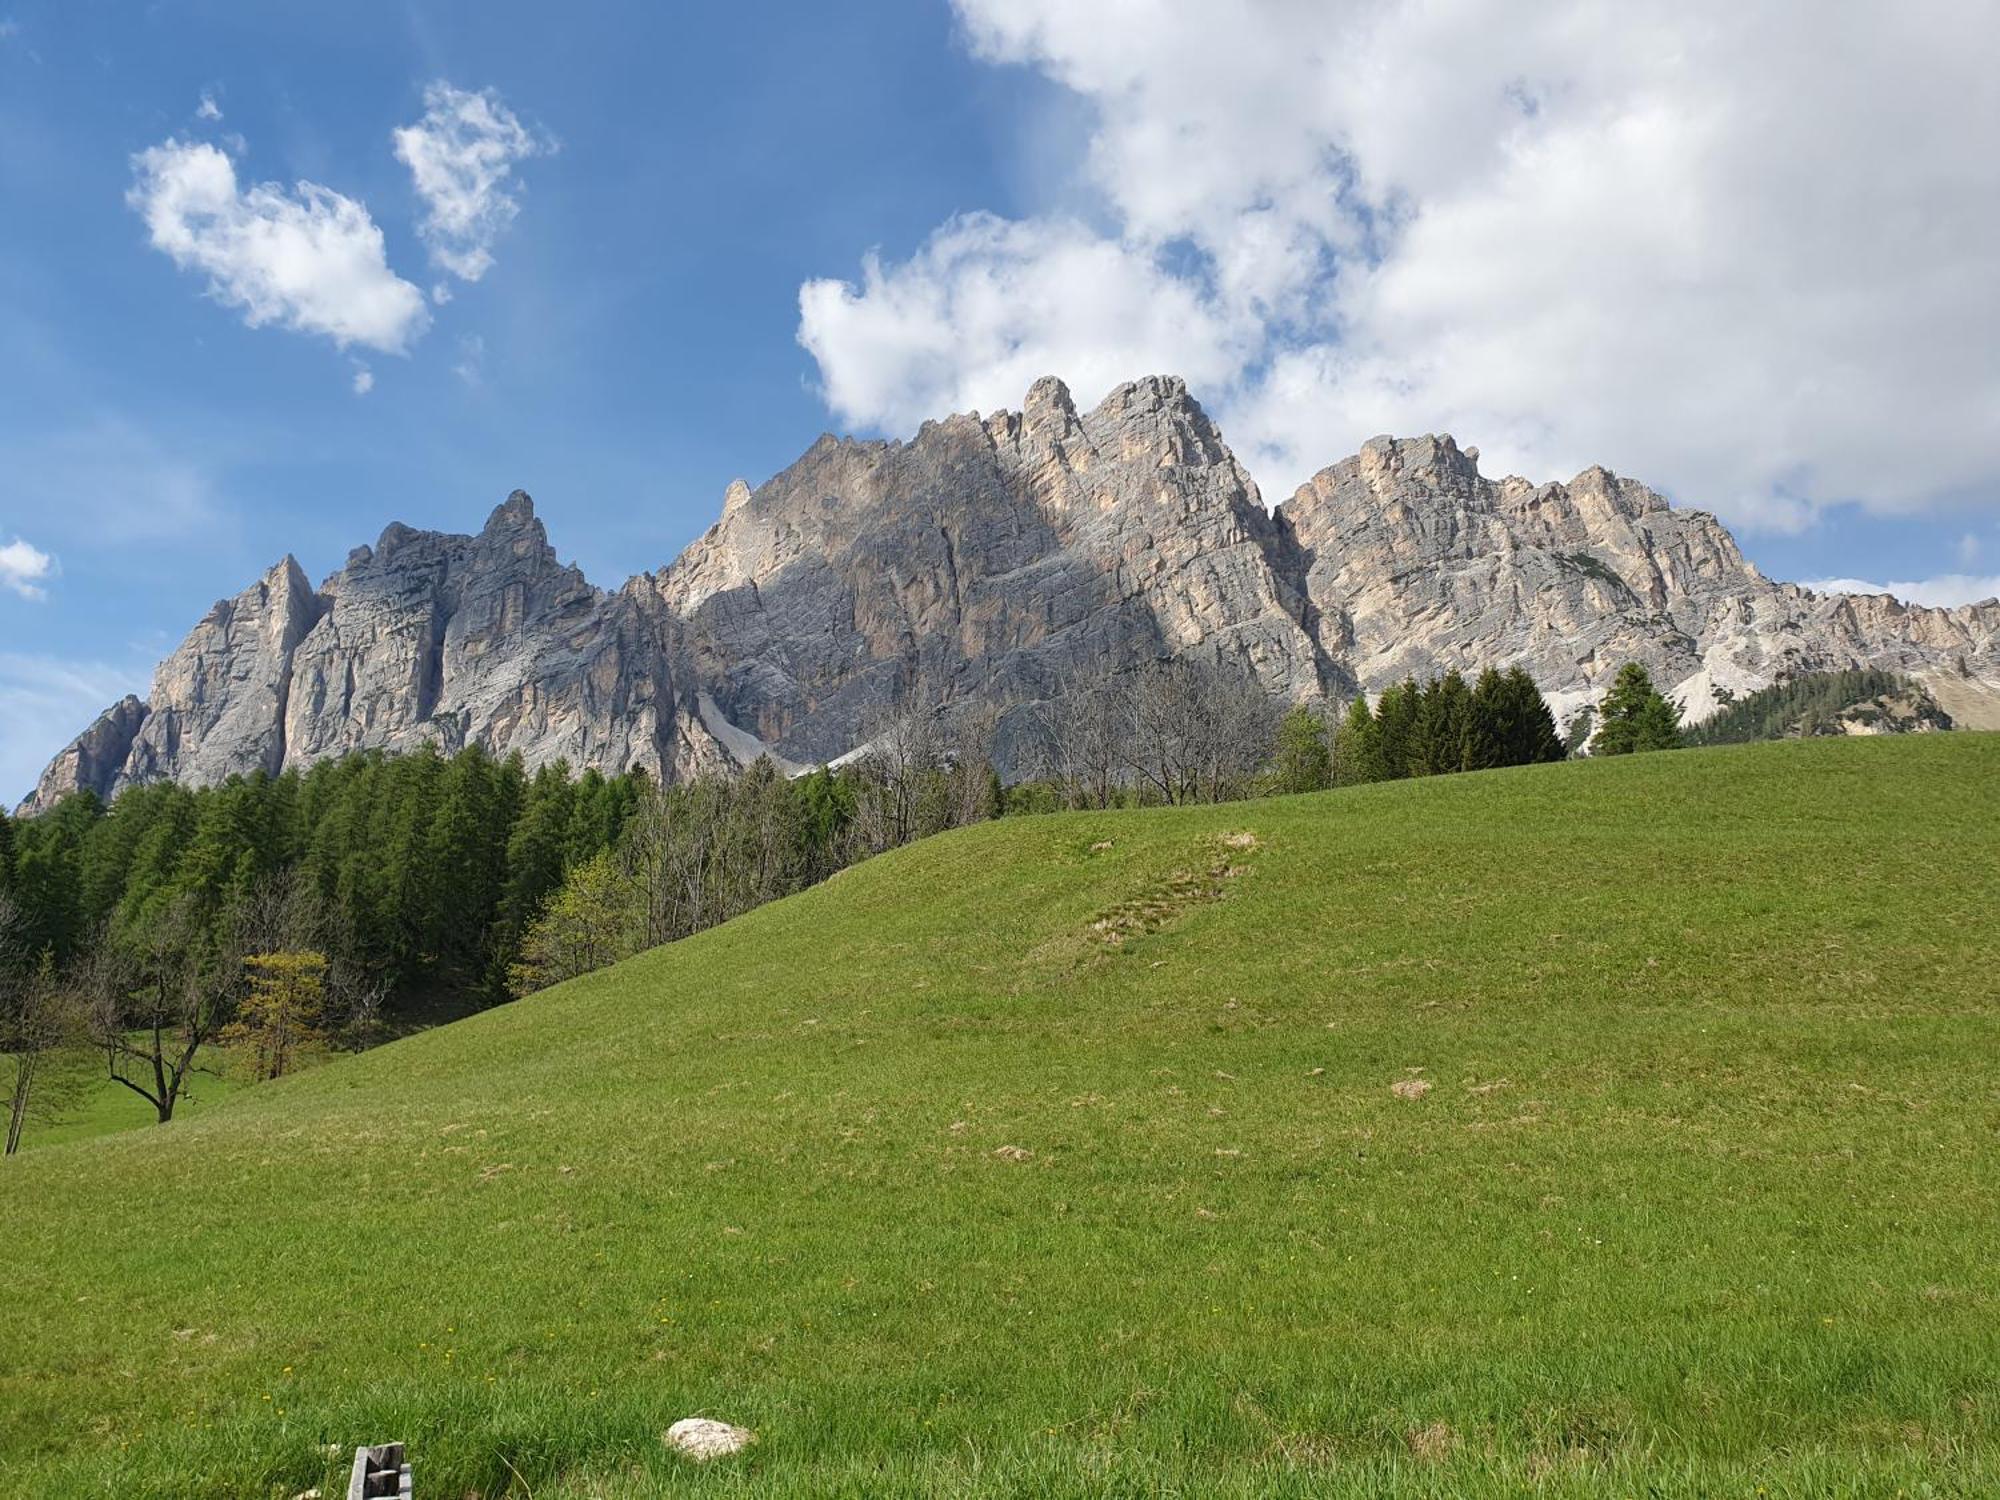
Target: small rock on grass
702	1438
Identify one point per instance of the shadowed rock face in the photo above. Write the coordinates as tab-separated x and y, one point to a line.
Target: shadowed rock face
991	562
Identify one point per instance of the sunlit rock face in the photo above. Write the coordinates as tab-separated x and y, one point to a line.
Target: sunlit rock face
989	563
1416	563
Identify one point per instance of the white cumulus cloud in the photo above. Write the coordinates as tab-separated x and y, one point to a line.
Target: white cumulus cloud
988	305
1673	236
461	157
364	380
24	569
308	259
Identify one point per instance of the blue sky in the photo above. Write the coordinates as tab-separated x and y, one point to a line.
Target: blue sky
735	227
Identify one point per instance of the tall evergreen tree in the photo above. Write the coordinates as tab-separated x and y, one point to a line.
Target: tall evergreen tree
1357	749
1437	738
1396	727
467	856
1531	734
1635	717
537	851
1488	729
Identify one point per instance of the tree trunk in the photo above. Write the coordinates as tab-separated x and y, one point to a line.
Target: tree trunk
17	1113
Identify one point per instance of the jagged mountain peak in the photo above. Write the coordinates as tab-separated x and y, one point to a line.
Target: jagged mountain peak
515	513
995	561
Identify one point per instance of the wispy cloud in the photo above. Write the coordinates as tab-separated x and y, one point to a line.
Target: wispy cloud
45	702
24	568
471	366
309	259
112	482
461	157
208	109
364	379
1942	592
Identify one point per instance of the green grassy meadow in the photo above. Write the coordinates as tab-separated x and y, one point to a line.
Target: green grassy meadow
1703	1197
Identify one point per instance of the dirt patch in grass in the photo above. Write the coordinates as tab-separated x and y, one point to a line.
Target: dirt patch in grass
1183	890
1431	1444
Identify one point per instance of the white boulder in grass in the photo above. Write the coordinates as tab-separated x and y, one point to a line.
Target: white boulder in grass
703	1438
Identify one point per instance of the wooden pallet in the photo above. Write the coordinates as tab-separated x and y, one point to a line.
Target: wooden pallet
379	1471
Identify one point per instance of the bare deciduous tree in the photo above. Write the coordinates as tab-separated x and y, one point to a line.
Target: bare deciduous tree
38	1020
1183	731
155	1007
1083	737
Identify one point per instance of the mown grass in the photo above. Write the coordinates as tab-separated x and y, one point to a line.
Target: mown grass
1702	1199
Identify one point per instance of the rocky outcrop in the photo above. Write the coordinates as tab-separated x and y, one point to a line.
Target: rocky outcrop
991	562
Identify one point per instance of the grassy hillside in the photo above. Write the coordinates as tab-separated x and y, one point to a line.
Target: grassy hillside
1702	1198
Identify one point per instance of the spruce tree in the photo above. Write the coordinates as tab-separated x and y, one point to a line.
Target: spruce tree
1532	737
1487	739
1438	738
1635	717
1396	728
468	851
1358	746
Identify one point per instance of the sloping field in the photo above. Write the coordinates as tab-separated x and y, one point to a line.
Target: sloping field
1064	1156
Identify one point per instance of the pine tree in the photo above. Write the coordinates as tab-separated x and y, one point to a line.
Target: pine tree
1486	740
468	856
1358	746
1437	739
1635	717
48	875
1532	738
536	852
6	853
1396	727
1302	762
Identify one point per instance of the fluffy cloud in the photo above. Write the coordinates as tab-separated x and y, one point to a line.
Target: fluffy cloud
989	305
461	155
1671	237
364	380
24	569
309	259
1942	592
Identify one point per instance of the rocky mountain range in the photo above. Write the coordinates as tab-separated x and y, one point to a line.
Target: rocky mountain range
992	562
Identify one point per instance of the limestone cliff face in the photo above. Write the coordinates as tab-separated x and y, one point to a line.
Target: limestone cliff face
992	562
1416	563
424	637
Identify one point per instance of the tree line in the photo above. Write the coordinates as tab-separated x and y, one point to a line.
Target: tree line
317	908
1812	703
